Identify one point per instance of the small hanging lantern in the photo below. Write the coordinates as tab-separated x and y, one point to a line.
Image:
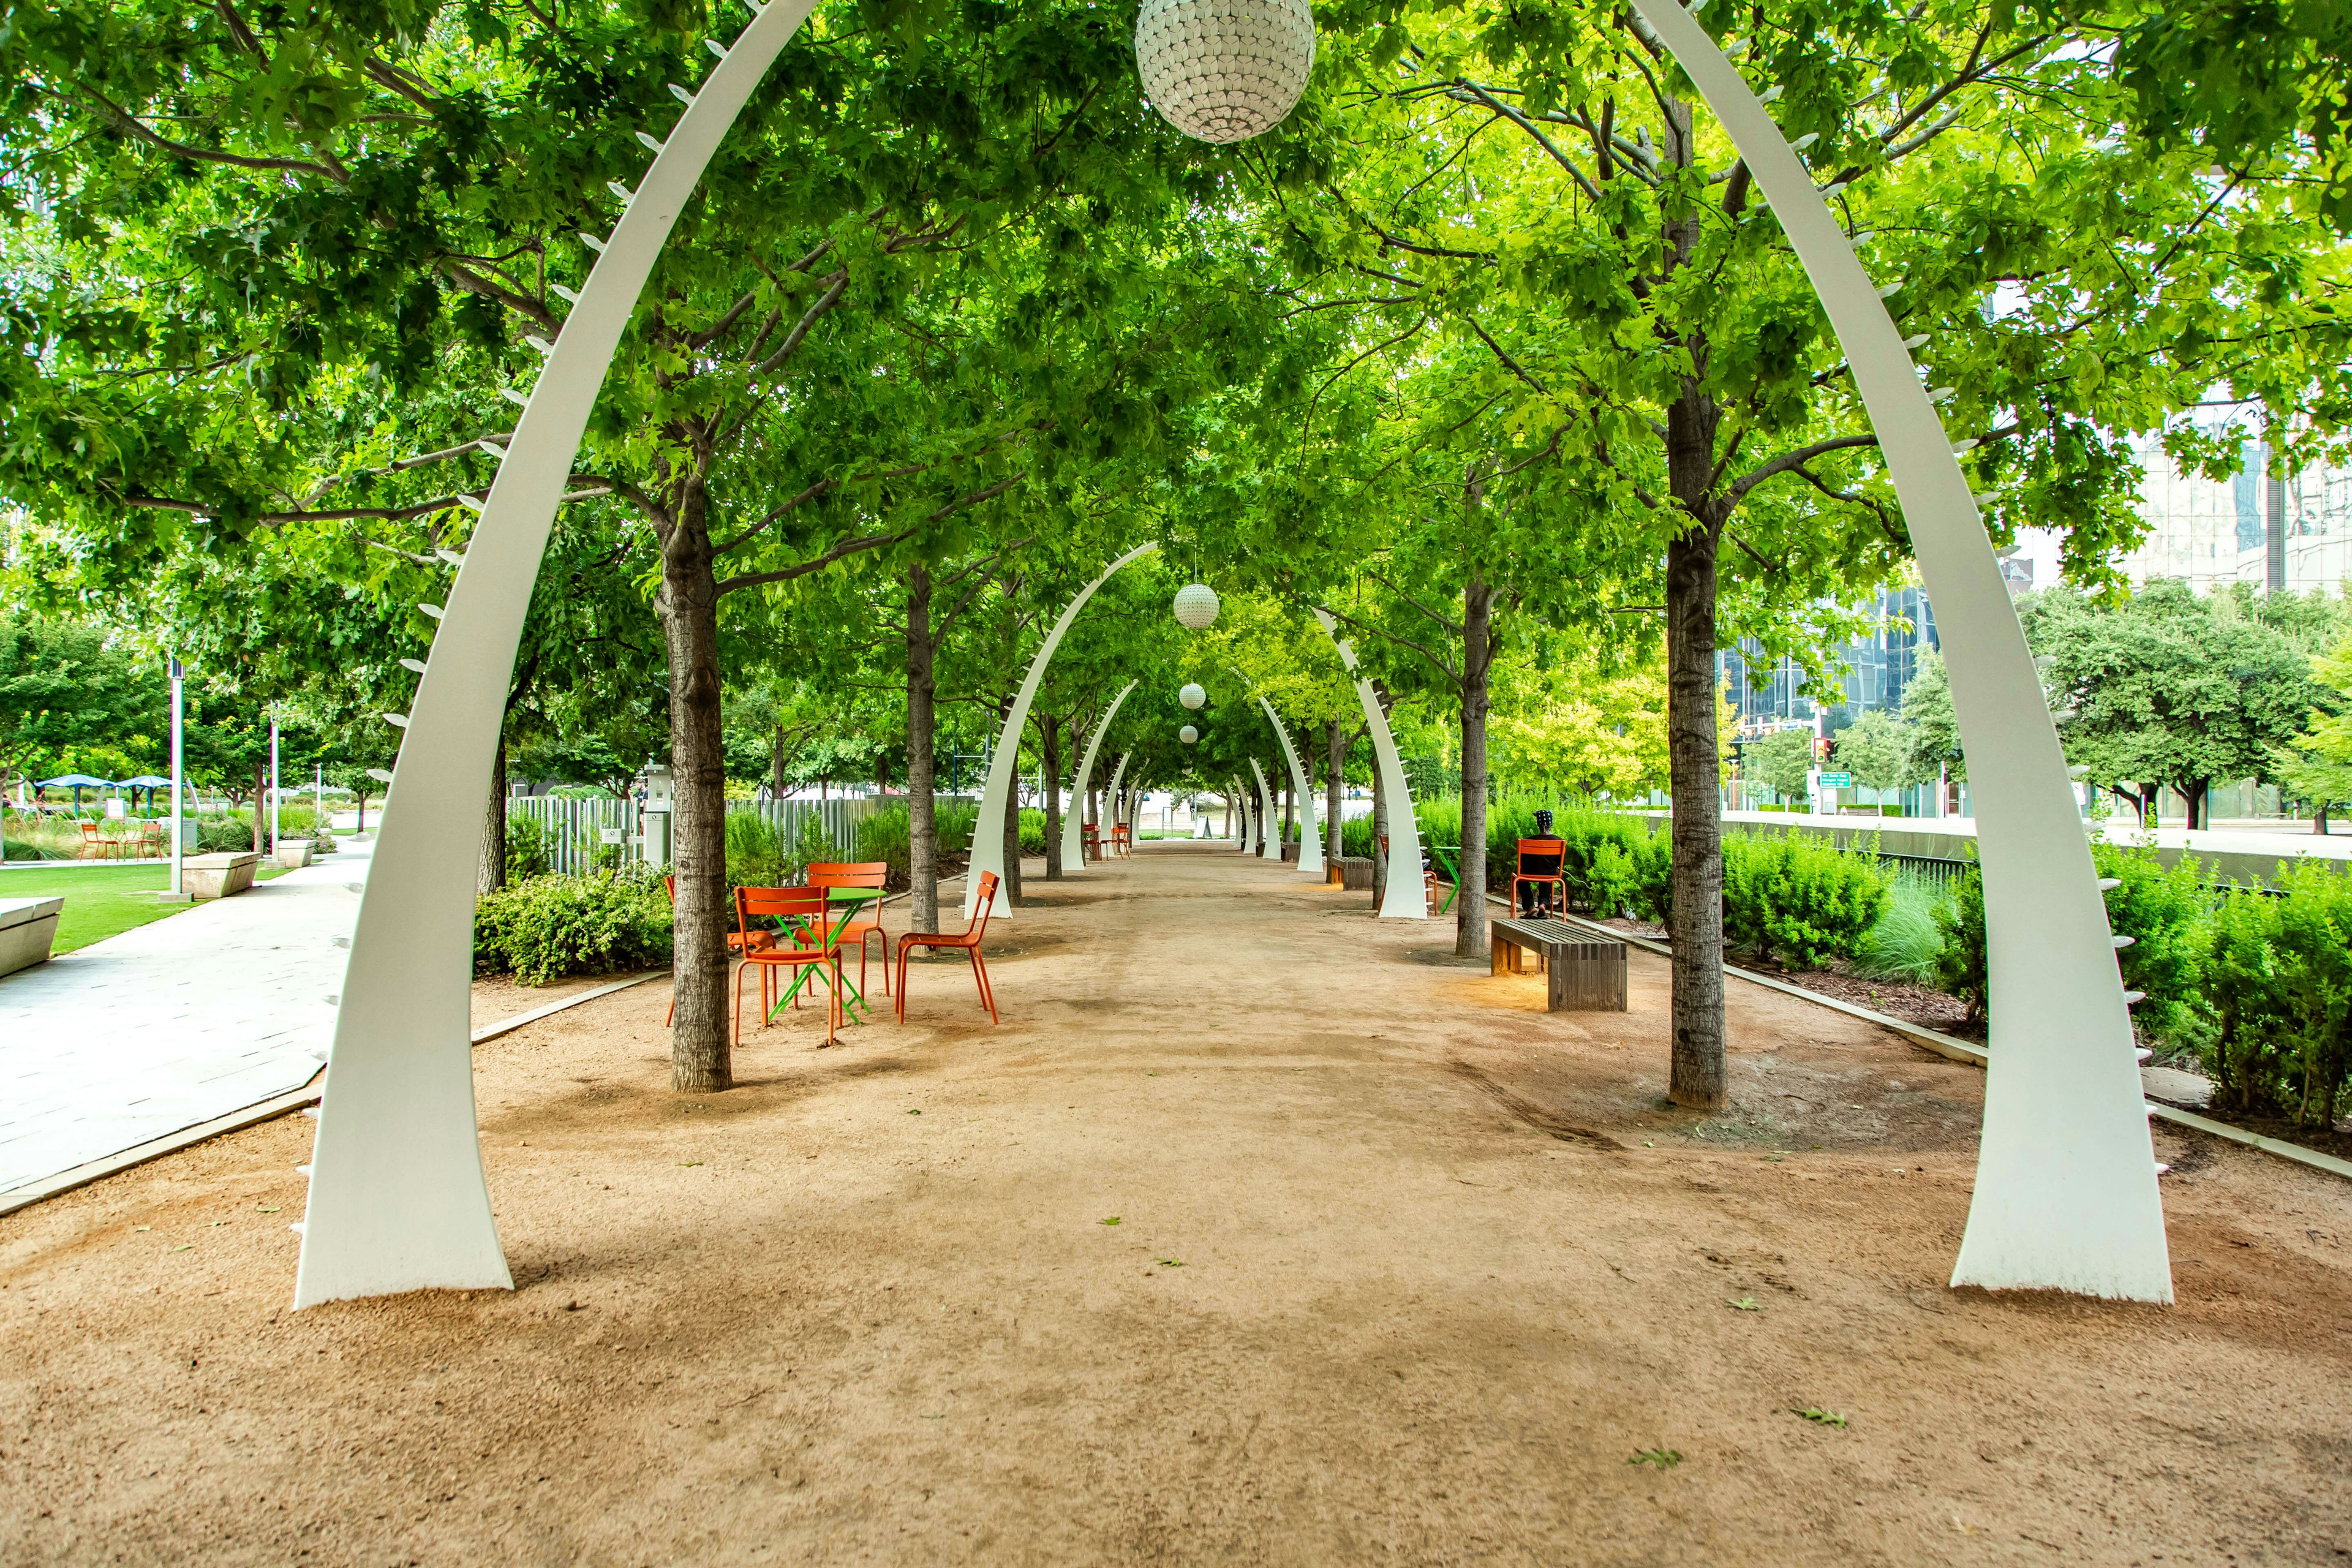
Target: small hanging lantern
1188	735
1192	696
1225	70
1196	605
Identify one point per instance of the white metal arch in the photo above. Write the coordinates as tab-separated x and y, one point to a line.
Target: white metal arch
996	799
1269	820
1405	898
397	1198
1074	849
2066	1195
1310	842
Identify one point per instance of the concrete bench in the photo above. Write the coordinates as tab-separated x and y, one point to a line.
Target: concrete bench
293	854
218	876
1587	973
27	927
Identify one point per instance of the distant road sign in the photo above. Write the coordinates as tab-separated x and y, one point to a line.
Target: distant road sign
1837	780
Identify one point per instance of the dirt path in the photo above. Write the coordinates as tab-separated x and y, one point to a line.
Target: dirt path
1404	1270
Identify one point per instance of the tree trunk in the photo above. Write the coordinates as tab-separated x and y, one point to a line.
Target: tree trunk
2319	821
700	1056
2148	818
922	762
493	873
1050	737
1012	847
1470	934
1379	836
2195	794
776	765
1335	756
359	825
260	794
1698	1075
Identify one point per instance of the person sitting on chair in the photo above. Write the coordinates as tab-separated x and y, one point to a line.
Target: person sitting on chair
1542	860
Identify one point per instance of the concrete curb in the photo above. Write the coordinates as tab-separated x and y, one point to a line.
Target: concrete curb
265	1110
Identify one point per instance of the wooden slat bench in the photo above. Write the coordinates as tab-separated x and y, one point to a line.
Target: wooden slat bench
1586	973
1356	871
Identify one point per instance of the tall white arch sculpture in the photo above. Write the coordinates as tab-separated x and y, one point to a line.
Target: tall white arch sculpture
397	1197
2066	1195
1310	842
1239	797
988	832
1269	819
1405	898
1110	800
1073	846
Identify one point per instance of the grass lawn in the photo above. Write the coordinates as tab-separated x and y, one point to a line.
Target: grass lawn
100	901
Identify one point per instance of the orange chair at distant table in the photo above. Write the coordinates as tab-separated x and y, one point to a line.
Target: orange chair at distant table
874	874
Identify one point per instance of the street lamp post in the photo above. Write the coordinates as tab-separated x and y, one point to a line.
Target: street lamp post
177	893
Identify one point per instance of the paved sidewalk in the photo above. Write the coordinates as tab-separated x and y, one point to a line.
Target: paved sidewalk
174	1024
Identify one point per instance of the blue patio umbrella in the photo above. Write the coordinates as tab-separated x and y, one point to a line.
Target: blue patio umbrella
77	783
148	782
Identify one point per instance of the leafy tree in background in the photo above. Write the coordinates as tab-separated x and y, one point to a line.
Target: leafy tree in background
74	700
2166	687
1935	729
1877	749
1780	762
2317	765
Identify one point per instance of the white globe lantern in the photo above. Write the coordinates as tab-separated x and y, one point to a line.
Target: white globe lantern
1225	70
1188	735
1196	605
1192	696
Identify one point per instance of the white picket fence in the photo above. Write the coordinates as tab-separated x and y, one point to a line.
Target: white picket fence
576	831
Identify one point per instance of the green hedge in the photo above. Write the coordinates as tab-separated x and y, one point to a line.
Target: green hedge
2256	984
549	927
1799	899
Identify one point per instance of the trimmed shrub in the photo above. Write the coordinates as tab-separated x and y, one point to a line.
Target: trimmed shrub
1033	829
2168	914
526	848
1960	962
2280	981
1799	899
550	927
2247	1054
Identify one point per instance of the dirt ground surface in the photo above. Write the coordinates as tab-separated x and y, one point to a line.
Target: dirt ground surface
1259	1232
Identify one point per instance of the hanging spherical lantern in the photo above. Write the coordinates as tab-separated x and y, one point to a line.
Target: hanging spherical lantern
1196	605
1225	70
1192	696
1188	735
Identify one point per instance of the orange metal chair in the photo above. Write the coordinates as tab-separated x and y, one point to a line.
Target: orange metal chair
969	941
1093	837
94	844
1542	863
1122	838
735	944
788	904
874	874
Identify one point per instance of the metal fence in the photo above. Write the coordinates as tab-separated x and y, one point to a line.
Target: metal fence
1942	870
584	836
580	836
